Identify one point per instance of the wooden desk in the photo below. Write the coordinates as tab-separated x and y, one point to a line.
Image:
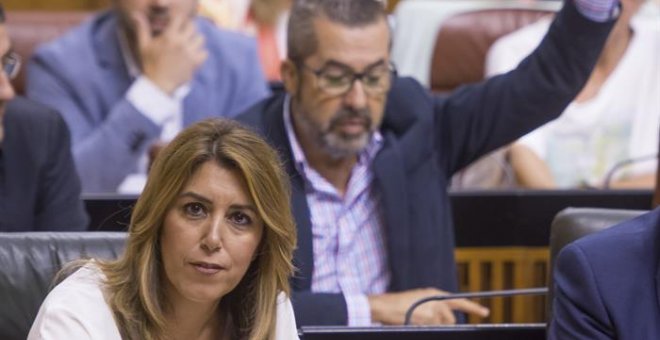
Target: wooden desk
460	332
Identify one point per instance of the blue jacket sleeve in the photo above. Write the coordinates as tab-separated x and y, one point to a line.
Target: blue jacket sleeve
578	309
59	206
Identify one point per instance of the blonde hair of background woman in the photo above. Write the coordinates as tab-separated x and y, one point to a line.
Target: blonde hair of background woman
135	281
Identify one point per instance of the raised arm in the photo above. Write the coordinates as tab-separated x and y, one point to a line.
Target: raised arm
479	118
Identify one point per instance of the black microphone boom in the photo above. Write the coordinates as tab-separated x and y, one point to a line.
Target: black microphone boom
607	182
493	293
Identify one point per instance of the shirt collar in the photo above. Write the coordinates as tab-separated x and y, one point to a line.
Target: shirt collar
364	158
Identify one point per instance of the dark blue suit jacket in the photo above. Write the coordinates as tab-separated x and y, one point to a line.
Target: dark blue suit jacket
427	139
39	187
607	285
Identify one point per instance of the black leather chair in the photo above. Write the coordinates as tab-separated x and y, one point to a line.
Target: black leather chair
572	223
28	264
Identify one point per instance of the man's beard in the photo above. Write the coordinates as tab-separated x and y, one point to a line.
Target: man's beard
340	145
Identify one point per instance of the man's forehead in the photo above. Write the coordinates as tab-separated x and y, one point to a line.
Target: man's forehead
358	47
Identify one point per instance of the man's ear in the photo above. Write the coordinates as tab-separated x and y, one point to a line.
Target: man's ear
290	76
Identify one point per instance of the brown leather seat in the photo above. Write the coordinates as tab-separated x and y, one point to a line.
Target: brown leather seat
28	29
463	41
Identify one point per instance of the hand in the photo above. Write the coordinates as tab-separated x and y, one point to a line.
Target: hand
170	59
390	308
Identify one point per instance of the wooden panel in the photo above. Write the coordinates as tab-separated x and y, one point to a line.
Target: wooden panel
495	268
55	5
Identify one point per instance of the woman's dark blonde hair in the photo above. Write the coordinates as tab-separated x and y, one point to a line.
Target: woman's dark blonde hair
134	283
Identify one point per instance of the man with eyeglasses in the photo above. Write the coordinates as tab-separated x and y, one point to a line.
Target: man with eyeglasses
370	155
39	187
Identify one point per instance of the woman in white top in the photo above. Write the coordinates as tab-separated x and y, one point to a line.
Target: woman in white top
208	254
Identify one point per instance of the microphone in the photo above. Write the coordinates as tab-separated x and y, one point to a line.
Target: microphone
488	294
626	162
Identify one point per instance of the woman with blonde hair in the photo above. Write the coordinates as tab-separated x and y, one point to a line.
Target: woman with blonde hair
208	253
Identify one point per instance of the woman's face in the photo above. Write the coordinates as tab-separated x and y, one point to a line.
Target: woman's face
209	236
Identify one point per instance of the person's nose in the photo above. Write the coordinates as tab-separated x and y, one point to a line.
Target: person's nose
356	97
213	235
6	88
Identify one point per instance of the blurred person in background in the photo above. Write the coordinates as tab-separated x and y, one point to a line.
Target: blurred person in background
131	78
263	19
608	136
39	187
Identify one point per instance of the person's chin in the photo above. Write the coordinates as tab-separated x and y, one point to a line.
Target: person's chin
156	32
356	139
205	292
158	26
344	145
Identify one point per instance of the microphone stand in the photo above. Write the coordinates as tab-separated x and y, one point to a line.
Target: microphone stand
494	293
626	162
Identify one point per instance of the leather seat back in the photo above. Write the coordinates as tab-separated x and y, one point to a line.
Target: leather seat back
28	264
571	224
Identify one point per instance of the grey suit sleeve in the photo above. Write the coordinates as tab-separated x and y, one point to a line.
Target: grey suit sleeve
59	206
578	309
106	147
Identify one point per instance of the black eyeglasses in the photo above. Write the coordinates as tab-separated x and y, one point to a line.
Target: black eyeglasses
336	79
11	64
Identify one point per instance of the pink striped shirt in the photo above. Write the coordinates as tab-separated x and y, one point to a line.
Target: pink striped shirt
348	240
598	10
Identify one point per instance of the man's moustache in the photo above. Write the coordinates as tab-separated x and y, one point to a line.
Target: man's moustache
351	114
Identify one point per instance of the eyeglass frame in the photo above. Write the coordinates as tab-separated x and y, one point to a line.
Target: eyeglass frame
392	72
11	64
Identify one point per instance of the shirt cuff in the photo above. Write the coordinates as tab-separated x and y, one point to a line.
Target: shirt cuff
151	101
598	10
359	311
